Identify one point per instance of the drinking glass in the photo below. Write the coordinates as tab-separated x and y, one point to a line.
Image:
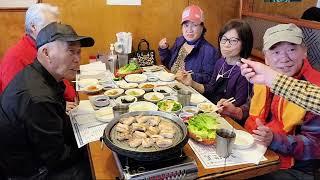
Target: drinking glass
184	97
224	142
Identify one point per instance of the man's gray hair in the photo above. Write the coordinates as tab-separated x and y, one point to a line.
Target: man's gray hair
37	15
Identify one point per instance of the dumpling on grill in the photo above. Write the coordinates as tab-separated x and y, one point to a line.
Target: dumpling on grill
139	127
147	142
123	128
123	136
127	121
152	131
153	120
167	133
135	142
142	119
156	136
164	142
165	125
138	134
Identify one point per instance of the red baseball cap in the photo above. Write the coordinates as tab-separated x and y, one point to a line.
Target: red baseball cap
192	13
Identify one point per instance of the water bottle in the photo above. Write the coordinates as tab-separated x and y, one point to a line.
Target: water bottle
112	60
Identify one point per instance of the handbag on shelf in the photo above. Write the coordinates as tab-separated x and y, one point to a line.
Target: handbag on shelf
145	57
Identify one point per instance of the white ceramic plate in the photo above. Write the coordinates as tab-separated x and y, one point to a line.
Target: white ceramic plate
126	97
153	68
243	140
136	78
185	116
101	101
87	82
104	114
168	105
190	109
91	89
165	76
196	99
175	98
142	106
113	93
153	96
207	107
128	85
135	92
153	78
161	89
147	86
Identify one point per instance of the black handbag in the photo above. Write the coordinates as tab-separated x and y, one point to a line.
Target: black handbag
145	57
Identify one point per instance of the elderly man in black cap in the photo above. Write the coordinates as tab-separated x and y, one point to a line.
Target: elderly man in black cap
35	134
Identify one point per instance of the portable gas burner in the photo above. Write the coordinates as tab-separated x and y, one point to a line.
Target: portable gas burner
177	167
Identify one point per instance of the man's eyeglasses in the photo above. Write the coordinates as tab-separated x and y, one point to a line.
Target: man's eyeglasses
232	41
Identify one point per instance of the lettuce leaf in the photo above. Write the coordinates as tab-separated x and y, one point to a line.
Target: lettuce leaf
131	67
176	106
203	125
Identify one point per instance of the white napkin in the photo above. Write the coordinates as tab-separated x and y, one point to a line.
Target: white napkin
84	113
254	154
92	68
84	107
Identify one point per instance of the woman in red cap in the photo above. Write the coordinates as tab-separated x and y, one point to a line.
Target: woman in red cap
190	51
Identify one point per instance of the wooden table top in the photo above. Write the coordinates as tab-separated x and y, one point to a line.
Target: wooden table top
103	165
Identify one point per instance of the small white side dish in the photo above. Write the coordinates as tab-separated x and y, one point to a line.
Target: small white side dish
165	76
87	82
135	92
153	96
142	106
243	140
101	101
113	93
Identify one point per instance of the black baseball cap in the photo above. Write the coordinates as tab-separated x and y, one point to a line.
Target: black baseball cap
63	32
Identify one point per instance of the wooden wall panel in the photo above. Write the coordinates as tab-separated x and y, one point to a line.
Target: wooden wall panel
293	9
11	29
153	20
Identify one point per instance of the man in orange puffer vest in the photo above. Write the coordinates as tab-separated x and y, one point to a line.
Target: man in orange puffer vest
282	126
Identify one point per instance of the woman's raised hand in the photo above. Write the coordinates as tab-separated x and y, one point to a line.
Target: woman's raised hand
163	44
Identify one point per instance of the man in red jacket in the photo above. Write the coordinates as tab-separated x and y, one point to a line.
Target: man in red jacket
24	52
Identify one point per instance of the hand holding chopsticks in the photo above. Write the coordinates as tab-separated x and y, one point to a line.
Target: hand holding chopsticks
188	72
184	77
221	102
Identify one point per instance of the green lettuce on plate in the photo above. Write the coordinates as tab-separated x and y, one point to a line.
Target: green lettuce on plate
203	126
131	67
169	105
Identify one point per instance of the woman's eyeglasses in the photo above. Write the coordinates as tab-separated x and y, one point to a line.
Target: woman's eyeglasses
232	41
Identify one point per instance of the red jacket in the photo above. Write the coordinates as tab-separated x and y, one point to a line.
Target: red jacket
18	57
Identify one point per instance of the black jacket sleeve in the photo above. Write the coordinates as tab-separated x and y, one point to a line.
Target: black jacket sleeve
46	126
